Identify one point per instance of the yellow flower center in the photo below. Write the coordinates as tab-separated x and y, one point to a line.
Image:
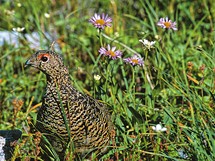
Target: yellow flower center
167	24
135	61
100	22
111	53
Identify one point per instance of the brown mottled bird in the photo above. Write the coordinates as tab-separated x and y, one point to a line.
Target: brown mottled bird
67	115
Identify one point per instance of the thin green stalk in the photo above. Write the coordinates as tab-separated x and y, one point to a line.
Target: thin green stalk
64	113
133	51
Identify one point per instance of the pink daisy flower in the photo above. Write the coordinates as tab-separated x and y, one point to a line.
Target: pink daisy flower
134	60
110	52
100	21
165	23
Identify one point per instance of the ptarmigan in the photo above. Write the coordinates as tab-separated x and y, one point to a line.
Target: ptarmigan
66	115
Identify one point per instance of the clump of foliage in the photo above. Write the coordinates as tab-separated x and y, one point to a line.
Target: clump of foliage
160	89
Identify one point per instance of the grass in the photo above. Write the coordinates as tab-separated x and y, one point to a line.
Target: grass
180	68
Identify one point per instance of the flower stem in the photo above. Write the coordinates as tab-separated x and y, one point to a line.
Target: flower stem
133	51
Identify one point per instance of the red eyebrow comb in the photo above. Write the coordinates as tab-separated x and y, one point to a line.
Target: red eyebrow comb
42	55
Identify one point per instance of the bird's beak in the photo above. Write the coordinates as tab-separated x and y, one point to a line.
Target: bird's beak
31	61
27	63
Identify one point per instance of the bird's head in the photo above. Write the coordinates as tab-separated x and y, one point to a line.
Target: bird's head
48	62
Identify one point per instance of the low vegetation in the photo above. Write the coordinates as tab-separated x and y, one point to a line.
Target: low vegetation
157	76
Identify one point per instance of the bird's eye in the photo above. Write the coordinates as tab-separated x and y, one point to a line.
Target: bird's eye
44	58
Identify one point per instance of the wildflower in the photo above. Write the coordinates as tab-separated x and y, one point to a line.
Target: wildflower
19	5
165	23
148	44
18	29
100	21
97	77
9	12
157	37
47	15
134	60
159	128
110	52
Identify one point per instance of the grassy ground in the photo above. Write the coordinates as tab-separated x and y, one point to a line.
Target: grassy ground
175	88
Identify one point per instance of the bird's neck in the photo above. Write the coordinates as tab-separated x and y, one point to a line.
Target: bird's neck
59	81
